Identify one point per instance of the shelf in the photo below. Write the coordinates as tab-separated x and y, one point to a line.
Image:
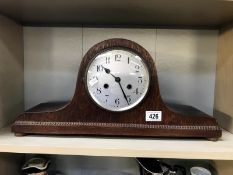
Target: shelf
128	147
198	13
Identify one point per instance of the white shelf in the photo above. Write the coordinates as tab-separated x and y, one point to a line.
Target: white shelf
128	147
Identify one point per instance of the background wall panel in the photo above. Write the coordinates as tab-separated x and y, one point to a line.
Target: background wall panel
11	70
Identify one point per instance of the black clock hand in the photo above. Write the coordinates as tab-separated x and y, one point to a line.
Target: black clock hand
117	79
123	91
109	72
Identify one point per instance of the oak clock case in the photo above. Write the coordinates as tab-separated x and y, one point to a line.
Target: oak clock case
87	115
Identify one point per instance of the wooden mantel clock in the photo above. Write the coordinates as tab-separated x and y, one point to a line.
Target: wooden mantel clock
117	94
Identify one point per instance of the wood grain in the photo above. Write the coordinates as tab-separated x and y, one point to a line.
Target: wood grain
223	109
83	117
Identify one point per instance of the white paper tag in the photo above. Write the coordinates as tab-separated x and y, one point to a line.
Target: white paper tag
153	116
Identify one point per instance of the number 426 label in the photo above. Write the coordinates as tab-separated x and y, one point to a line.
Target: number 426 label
153	116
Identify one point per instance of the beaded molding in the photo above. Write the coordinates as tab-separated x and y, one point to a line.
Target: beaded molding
118	125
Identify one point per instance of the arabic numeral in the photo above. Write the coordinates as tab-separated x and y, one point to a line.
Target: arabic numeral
94	77
137	67
117	57
106	100
107	60
154	116
117	101
136	91
98	90
129	98
99	68
140	80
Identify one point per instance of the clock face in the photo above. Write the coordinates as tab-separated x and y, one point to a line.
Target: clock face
117	80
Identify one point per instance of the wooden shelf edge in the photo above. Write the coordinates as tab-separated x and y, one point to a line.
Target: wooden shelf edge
119	147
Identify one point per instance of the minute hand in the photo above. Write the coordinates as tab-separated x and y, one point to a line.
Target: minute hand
123	92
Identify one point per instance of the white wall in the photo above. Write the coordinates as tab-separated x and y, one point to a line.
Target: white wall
51	60
11	70
186	64
185	61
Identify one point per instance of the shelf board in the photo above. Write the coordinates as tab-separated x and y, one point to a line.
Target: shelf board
119	147
198	13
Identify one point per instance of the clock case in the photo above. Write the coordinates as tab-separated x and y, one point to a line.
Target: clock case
81	116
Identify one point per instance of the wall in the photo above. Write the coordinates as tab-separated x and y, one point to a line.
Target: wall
224	82
11	64
186	63
185	60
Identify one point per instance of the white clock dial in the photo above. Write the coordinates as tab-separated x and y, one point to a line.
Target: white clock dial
117	80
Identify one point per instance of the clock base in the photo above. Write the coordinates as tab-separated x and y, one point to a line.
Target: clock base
20	134
45	124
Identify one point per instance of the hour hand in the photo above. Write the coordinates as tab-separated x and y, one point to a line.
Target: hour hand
109	72
106	69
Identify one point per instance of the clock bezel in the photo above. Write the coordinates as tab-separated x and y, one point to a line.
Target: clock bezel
140	99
